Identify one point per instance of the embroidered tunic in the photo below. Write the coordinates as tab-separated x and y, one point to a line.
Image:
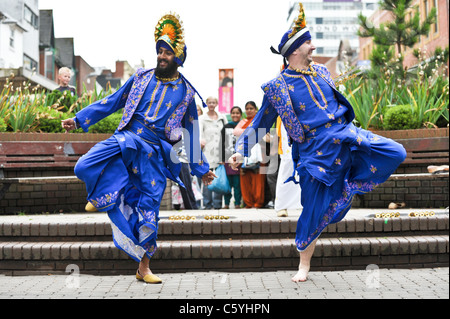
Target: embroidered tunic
334	158
125	175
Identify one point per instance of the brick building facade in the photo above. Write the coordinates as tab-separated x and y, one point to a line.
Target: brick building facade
438	36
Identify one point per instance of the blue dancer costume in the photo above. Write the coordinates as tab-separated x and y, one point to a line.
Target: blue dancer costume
334	159
125	175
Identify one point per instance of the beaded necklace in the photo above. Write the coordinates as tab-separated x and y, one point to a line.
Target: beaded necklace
312	72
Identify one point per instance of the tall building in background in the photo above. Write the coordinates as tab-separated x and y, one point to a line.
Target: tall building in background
333	21
19	36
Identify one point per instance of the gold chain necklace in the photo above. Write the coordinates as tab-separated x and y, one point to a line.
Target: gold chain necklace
312	72
168	79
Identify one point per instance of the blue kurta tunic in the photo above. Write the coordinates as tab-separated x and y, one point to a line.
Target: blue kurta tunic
335	159
125	175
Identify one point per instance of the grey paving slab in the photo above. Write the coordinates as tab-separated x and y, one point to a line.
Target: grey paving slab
425	283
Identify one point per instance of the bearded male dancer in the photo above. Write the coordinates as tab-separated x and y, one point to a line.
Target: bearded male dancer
334	159
125	175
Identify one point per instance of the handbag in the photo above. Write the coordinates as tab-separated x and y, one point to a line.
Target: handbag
196	189
220	184
254	160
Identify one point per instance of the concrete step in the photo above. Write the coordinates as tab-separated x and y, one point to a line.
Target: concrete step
97	227
247	240
229	255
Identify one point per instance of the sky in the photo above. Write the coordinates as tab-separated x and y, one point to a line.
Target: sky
219	34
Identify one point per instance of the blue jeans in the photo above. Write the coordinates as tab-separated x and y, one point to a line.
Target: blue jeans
211	199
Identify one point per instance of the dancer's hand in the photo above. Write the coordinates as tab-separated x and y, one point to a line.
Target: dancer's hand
208	178
68	125
235	160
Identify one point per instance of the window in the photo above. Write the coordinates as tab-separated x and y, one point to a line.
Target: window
435	5
370	6
29	63
319	20
319	50
49	64
11	38
426	12
319	35
31	17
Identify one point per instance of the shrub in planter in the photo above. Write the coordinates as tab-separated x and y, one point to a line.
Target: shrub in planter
400	117
108	124
2	125
64	99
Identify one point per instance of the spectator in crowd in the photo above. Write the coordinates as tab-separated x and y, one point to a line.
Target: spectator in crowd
252	182
64	76
211	125
228	143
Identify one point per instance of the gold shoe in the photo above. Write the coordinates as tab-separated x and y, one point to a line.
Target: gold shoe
150	279
90	208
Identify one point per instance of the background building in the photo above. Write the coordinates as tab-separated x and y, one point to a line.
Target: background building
333	25
30	51
331	21
19	43
25	13
438	36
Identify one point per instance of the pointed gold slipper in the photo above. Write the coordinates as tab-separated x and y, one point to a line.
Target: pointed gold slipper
150	279
90	208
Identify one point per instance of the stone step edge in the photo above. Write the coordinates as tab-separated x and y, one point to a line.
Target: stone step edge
231	227
226	249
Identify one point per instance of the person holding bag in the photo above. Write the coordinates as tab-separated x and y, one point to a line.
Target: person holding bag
252	182
228	143
211	124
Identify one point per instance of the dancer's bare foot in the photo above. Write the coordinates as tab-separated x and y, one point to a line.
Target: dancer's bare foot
302	274
305	263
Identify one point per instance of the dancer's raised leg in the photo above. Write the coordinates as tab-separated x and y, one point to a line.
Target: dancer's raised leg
305	263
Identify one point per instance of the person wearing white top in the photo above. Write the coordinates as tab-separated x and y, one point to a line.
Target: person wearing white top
211	124
287	194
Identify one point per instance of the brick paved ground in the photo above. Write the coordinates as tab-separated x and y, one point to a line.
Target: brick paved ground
375	283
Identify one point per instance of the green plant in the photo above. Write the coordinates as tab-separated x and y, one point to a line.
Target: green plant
22	110
400	117
89	97
48	119
400	33
2	125
108	124
63	99
430	65
369	99
426	94
361	98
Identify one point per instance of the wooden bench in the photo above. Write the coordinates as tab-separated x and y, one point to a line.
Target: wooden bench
20	154
429	150
16	155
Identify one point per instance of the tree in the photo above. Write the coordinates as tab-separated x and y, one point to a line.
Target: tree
399	33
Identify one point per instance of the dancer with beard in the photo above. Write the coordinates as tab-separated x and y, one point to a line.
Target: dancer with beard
334	159
125	175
